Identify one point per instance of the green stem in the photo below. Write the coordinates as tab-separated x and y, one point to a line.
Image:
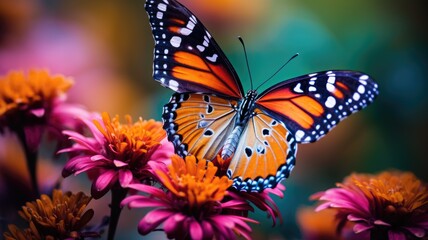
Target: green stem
31	158
117	195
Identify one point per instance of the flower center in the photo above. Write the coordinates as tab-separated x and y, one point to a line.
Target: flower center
195	183
129	142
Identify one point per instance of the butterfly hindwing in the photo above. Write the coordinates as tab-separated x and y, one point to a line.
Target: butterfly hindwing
198	123
265	155
312	104
186	57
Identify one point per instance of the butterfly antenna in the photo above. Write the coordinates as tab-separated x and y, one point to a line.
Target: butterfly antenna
246	59
277	71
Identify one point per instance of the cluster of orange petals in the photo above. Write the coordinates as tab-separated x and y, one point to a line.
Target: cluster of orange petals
130	140
18	89
62	216
401	191
195	181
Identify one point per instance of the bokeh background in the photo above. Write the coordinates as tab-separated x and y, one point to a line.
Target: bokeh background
106	46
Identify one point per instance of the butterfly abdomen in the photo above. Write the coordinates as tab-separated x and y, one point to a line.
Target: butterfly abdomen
244	112
231	142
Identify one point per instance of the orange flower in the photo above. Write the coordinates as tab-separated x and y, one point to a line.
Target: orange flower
118	152
36	90
31	103
197	205
62	216
194	181
390	204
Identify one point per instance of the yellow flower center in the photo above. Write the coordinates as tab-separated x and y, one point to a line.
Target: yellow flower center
195	181
130	141
18	89
402	190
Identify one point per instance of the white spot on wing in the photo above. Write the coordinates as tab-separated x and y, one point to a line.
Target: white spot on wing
356	96
361	89
190	25
175	41
159	15
331	102
331	79
330	87
298	89
364	77
213	58
185	31
299	135
200	48
173	85
162	7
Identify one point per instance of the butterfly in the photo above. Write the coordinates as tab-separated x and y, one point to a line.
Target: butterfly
211	116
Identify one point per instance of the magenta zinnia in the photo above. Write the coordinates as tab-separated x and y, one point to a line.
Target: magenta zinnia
117	152
390	205
196	205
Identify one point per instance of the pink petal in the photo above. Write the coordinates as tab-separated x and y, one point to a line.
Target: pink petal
138	201
164	151
172	223
208	230
195	230
103	183
119	163
396	235
361	227
38	112
354	218
125	177
98	157
382	223
418	232
152	220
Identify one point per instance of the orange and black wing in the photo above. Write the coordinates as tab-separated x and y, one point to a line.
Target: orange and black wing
264	156
312	104
186	57
198	124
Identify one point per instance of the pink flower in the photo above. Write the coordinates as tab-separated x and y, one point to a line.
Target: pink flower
117	153
33	104
197	204
261	200
390	205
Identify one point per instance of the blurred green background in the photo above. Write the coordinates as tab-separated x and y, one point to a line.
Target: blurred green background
106	46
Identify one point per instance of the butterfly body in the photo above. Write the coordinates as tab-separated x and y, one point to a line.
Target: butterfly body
211	116
244	112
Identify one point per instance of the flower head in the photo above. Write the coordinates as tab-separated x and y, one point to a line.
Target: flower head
196	204
31	103
117	152
391	203
58	217
261	200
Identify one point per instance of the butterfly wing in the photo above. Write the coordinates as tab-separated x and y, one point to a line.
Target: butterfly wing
264	156
311	105
198	123
186	57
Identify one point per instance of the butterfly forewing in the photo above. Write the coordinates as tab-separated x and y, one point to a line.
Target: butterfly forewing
311	105
198	123
186	57
264	156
